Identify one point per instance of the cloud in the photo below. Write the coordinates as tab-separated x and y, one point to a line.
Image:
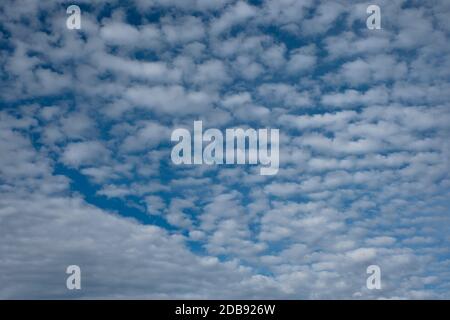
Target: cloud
351	98
169	99
284	95
85	170
380	68
233	15
83	153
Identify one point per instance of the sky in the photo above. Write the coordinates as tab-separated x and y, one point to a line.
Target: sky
86	176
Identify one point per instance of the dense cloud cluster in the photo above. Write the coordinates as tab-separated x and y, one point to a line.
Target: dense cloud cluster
85	170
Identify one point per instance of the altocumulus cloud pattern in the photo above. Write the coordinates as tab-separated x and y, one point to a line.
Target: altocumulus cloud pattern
86	177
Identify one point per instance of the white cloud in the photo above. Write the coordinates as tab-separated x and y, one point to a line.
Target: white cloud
169	99
233	15
84	153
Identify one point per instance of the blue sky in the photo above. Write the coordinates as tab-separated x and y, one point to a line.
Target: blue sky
86	176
